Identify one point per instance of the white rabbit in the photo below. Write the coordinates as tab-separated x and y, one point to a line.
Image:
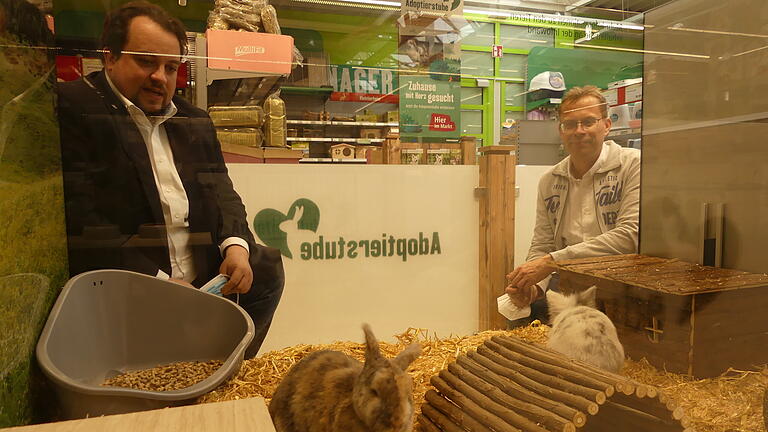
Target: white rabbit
581	332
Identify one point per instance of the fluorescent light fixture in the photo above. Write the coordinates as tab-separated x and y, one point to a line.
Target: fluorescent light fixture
377	2
373	4
488	12
718	32
554	18
636	50
748	52
621	25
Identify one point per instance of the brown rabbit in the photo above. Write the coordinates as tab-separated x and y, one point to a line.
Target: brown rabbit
328	391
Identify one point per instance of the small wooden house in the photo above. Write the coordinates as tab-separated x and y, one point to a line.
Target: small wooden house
682	317
343	151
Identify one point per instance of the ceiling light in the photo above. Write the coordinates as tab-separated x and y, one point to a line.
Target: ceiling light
636	50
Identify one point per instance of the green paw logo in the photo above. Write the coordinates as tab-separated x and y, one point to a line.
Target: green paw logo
275	228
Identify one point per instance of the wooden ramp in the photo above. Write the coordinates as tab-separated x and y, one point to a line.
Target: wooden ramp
509	385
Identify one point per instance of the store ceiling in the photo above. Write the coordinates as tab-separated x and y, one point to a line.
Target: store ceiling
606	9
612	9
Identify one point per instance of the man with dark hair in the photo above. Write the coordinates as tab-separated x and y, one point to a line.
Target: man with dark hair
146	187
588	204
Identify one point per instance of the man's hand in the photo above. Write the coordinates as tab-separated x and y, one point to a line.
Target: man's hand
523	297
238	268
182	282
522	281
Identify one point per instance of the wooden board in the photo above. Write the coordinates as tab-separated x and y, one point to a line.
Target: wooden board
661	274
244	415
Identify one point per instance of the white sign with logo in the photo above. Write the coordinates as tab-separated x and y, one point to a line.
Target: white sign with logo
394	246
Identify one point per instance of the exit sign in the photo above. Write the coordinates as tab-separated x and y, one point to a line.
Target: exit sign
497	51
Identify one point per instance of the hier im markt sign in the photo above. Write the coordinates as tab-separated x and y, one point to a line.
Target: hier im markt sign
429	108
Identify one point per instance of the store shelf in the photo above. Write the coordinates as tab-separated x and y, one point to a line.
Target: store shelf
331	160
204	75
341	140
339	123
624	133
551	101
212	75
306	90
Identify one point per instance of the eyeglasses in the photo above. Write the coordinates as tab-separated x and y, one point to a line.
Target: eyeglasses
572	125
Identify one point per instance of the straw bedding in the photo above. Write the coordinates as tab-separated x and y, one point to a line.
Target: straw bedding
732	402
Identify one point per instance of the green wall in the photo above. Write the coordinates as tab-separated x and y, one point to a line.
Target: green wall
33	261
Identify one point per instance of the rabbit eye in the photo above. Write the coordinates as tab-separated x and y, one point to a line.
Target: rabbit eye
374	393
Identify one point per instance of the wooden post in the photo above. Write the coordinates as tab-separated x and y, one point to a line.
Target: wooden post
468	150
497	229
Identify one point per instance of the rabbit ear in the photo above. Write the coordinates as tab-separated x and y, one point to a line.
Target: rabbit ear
588	297
407	356
556	303
372	351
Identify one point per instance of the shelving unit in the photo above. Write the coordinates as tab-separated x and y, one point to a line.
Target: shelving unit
624	133
533	105
205	76
340	123
332	161
325	91
338	140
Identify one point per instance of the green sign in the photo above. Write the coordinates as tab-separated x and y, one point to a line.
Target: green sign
351	79
430	106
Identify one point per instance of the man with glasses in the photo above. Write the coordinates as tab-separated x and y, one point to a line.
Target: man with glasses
588	204
145	184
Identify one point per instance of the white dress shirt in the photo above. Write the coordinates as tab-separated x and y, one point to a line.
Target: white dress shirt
173	197
579	218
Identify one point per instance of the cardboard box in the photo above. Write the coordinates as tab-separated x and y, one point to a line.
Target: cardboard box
370	133
411	156
318	70
624	95
314	71
376	156
366	118
248	51
393	116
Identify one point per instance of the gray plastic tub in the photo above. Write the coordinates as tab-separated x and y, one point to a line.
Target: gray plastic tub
107	322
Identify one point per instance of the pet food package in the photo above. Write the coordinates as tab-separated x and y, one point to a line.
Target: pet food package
269	20
250	137
214	285
229	116
236	15
275	124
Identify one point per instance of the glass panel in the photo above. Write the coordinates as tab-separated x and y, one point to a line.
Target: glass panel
471	96
514	94
519	37
513	66
477	33
476	64
514	115
471	122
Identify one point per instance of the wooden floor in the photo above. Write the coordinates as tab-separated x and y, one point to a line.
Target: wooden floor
244	415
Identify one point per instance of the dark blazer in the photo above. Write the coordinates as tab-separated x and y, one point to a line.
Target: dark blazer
110	189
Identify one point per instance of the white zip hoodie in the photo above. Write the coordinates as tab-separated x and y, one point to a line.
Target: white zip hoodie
617	208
